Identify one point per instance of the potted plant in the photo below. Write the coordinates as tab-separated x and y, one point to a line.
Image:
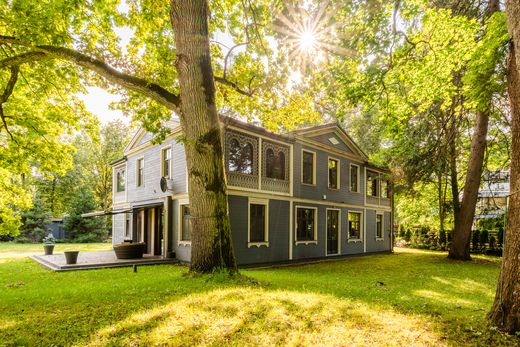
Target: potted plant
48	244
71	257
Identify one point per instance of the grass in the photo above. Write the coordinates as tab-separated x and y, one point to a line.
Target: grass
411	297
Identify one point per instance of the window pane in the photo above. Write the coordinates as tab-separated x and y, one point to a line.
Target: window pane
353	178
140	172
354	225
379	226
308	170
120	178
166	162
384	189
333	174
240	157
305	224
257	223
186	223
274	164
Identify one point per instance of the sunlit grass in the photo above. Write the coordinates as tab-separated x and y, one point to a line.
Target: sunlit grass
409	298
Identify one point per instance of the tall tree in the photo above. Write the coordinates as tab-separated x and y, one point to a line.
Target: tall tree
80	36
505	312
460	245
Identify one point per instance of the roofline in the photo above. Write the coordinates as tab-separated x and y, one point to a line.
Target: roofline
118	161
226	121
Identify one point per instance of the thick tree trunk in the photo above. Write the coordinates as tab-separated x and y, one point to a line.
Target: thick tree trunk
211	233
505	312
461	239
459	248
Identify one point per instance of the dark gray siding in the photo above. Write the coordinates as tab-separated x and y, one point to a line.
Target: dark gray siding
321	188
118	228
324	138
278	249
374	245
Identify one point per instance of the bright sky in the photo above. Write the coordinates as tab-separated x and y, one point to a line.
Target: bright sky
97	101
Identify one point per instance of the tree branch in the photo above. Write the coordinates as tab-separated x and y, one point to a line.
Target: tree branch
5	95
233	85
152	90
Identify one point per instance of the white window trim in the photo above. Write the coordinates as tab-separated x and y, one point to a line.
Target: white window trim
338	180
378	185
313	168
306	242
181	202
361	221
350	178
114	183
327	231
264	202
163	149
382	238
137	172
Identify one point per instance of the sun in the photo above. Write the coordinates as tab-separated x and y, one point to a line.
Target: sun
307	33
308	41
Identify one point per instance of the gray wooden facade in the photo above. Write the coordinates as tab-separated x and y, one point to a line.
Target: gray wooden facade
146	213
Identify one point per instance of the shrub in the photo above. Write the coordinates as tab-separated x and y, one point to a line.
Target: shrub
492	242
402	231
443	239
475	239
484	238
500	236
87	238
408	235
34	221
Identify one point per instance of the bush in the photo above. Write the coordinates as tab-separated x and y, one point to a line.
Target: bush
492	242
443	240
475	239
484	238
408	235
402	231
500	236
23	239
87	238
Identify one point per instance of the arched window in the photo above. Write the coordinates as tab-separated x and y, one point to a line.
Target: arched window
269	163
240	157
281	166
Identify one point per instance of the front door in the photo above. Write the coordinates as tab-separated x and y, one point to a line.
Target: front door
332	232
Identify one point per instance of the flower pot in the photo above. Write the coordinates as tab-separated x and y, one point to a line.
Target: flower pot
71	257
130	250
48	249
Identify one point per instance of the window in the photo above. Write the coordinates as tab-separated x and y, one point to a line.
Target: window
166	156
354	178
372	184
379	226
308	167
354	225
258	222
120	181
274	164
140	172
185	232
384	189
127	226
240	157
333	173
305	224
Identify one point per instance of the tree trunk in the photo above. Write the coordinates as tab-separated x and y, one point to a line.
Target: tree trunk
459	248
211	232
505	312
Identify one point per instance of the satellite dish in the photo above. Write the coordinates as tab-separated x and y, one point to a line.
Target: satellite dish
166	184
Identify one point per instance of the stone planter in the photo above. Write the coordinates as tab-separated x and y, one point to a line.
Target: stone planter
130	250
48	249
71	257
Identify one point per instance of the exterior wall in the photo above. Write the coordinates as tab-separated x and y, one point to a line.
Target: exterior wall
281	229
118	228
278	232
317	191
150	191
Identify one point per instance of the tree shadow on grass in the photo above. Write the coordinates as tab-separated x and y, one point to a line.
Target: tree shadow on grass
256	316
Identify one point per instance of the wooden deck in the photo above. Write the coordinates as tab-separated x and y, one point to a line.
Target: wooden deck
97	260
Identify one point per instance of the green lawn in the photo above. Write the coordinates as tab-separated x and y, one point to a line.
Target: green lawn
408	298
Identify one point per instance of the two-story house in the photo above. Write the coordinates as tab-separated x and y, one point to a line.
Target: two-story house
307	194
